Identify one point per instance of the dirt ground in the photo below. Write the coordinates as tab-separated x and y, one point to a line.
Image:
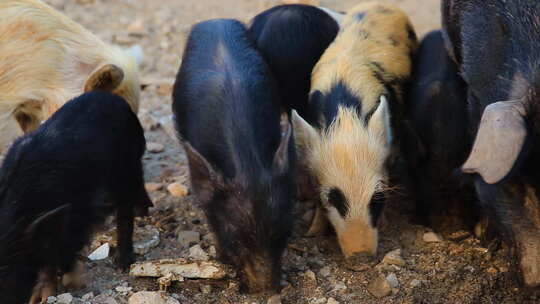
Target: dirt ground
445	271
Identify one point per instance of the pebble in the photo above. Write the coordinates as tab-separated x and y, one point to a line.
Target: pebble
146	240
153	147
177	189
393	258
123	289
51	300
392	280
212	251
325	271
415	283
65	298
459	235
332	301
310	275
104	299
379	287
431	237
152	187
196	253
187	238
492	270
275	299
339	286
151	297
87	297
206	289
101	253
319	301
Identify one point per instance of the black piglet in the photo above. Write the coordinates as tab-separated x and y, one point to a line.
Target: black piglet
227	112
58	183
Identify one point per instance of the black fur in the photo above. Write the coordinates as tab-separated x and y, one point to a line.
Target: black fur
493	42
339	201
327	105
227	107
292	38
438	141
59	182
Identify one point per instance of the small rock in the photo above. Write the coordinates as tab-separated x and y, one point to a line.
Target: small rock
431	237
310	275
101	253
153	147
206	289
146	240
51	300
123	289
87	297
492	270
275	299
212	251
177	189
136	27
392	280
379	287
196	253
339	286
65	298
148	297
325	271
188	238
469	269
319	301
104	299
332	301
459	236
393	258
151	187
415	283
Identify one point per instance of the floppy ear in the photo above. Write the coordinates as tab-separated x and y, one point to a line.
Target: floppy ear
203	177
451	23
281	158
305	136
106	77
54	222
499	141
380	122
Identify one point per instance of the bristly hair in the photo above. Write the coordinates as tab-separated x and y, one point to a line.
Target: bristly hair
350	156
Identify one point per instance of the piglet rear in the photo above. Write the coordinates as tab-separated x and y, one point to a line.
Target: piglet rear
58	183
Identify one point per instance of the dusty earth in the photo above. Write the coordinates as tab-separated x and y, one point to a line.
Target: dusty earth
445	271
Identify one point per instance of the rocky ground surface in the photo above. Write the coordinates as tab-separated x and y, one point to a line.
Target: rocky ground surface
414	264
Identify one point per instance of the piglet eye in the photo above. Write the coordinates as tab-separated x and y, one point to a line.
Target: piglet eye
338	200
376	206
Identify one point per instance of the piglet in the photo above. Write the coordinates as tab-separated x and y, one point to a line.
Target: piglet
227	111
58	184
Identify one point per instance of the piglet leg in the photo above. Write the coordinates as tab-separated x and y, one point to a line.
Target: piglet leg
319	224
46	285
124	257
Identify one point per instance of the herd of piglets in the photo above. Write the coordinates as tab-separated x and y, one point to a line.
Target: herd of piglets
301	103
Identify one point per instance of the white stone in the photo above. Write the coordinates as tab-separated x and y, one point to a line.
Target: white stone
196	253
150	297
431	237
65	298
101	253
392	280
146	240
275	299
332	301
393	258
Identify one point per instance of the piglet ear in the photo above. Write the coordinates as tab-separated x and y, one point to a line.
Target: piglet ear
203	176
499	141
281	158
52	222
106	77
380	123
